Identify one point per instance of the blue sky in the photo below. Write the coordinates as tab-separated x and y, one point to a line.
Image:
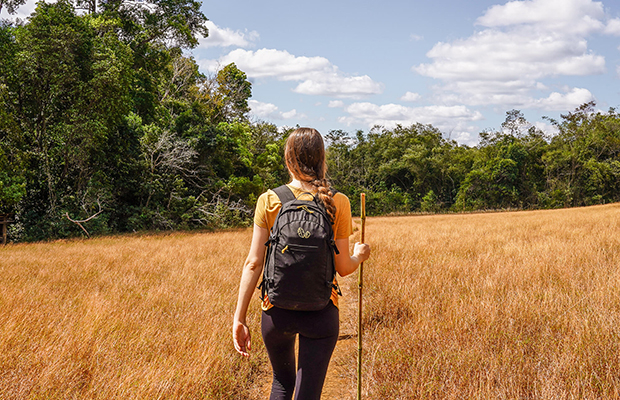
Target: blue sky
457	65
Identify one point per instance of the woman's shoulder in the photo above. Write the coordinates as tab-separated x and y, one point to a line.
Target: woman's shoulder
340	198
269	200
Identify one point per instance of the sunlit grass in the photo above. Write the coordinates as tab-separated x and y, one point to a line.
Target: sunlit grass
520	305
124	318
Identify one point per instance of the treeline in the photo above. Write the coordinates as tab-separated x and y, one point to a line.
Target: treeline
410	169
106	126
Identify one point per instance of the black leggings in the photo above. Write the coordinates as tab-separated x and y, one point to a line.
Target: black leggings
318	334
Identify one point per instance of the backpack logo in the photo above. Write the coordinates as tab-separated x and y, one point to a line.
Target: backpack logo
303	234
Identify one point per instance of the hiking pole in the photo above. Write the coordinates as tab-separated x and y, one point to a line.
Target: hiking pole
359	302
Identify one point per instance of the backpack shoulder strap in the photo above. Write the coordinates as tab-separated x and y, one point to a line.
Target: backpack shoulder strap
285	194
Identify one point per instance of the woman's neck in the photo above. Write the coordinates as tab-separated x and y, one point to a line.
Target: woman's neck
302	185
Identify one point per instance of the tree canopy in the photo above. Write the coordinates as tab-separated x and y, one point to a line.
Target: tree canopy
107	126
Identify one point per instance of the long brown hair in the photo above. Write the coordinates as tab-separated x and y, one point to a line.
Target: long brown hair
304	154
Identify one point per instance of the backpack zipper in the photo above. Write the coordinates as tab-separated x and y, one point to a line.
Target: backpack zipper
293	247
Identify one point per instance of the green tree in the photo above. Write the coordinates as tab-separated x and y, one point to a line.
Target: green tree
173	23
11	5
397	167
12	185
508	170
583	159
65	89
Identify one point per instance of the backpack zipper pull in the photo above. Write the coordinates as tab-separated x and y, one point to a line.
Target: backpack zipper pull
305	208
284	249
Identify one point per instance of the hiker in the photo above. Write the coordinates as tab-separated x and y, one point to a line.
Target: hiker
318	330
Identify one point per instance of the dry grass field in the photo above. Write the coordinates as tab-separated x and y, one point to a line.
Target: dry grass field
124	317
519	305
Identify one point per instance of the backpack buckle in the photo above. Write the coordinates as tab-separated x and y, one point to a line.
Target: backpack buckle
333	244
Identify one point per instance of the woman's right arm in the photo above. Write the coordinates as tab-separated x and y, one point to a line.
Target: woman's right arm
252	271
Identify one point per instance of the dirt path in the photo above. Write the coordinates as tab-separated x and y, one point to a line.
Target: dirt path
340	383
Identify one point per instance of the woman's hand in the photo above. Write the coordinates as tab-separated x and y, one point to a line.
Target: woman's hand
361	251
346	264
241	338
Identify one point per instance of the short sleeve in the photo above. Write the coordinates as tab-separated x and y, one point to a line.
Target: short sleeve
259	212
267	207
343	225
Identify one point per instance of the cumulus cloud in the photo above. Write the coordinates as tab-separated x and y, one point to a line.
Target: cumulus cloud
521	44
613	27
333	83
317	75
335	104
225	37
564	101
575	16
456	120
271	111
410	96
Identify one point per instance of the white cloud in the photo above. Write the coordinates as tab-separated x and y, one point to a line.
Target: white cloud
453	119
270	111
272	63
522	43
333	83
415	38
290	114
335	104
499	56
318	76
225	37
567	101
410	96
575	16
613	27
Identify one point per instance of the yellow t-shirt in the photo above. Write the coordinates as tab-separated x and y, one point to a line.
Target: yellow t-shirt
268	206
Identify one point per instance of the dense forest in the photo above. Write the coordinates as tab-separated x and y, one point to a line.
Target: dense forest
106	125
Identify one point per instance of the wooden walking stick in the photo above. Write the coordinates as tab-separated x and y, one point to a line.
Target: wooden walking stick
359	303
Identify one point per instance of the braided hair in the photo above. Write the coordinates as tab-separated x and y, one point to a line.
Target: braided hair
304	154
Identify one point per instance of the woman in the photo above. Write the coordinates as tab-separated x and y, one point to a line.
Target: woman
318	330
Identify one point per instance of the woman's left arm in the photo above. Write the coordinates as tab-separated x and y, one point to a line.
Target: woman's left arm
346	264
252	271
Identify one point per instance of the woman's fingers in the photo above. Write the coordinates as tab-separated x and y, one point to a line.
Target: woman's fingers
362	251
241	339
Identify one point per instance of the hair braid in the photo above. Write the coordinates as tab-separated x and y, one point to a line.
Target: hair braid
326	196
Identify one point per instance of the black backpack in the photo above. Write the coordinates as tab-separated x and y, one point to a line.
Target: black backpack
299	268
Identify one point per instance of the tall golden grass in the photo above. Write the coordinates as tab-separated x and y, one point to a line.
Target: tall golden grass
519	305
124	318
